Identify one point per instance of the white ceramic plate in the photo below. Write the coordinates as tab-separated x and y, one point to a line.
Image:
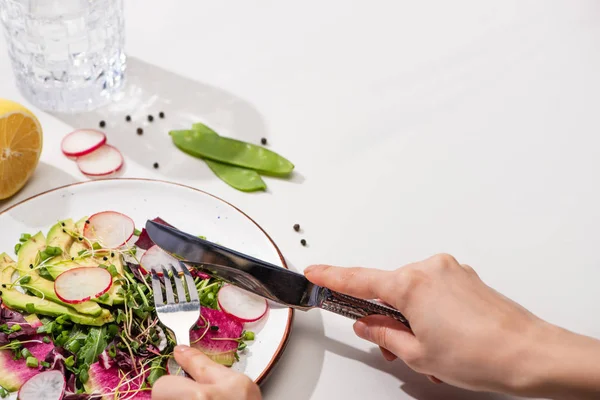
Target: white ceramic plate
186	208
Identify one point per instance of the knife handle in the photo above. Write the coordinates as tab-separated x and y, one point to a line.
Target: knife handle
355	308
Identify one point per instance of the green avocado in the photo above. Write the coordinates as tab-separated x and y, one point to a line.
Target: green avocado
42	287
58	236
19	301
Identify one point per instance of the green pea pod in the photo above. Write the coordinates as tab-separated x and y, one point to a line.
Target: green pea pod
246	180
231	151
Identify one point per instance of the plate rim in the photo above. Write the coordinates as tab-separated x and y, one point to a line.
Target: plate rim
283	344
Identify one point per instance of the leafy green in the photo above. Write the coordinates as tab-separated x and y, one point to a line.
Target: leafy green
156	371
95	343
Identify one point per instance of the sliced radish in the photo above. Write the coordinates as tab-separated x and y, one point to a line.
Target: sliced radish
103	161
110	228
173	368
82	284
48	385
82	142
241	304
155	257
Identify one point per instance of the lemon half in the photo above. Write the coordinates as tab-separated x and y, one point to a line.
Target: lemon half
20	146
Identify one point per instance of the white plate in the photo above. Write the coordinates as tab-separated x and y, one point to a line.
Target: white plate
188	209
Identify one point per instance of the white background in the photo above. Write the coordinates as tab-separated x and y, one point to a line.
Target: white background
467	127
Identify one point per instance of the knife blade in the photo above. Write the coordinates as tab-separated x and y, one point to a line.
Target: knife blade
267	280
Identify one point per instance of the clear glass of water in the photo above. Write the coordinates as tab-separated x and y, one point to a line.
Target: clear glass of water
67	55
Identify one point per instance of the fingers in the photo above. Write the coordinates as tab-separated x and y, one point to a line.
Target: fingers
388	355
177	387
359	282
389	334
198	365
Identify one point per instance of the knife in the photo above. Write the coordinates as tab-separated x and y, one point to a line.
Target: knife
267	280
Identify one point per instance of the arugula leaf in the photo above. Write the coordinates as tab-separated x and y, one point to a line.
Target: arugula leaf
94	344
156	371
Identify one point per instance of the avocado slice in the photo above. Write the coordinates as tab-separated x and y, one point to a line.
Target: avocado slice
58	236
19	301
43	287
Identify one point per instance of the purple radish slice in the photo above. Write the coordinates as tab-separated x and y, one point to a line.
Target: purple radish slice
15	372
213	342
156	257
173	368
241	304
82	142
103	161
48	385
110	228
82	284
105	382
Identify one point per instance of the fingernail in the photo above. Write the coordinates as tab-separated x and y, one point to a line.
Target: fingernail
309	268
362	330
181	348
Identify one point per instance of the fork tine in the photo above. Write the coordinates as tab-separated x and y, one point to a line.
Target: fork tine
168	286
158	296
190	282
181	297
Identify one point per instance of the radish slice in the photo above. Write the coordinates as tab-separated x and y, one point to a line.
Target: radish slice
241	304
173	368
82	142
155	257
48	385
82	284
110	228
103	161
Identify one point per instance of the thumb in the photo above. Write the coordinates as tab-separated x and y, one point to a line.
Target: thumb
389	334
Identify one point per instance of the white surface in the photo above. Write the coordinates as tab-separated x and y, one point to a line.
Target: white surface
194	212
466	127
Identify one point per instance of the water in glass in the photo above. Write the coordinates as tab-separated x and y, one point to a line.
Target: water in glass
67	55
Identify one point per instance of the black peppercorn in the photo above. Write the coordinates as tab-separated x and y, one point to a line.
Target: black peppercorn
303	242
297	227
112	254
105	258
62	224
155	165
128	118
214	328
87	221
102	124
263	140
161	114
64	231
140	131
150	118
3	285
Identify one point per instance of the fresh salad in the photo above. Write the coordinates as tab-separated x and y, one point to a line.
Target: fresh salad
77	317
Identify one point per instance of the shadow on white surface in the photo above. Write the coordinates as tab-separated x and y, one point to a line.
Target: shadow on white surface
150	90
290	379
45	177
413	384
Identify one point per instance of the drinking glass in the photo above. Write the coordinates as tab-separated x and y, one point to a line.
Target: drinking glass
66	55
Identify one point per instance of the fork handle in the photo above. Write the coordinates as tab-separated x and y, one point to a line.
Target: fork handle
182	337
355	308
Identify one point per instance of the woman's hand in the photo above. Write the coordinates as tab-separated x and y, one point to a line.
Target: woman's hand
212	381
465	333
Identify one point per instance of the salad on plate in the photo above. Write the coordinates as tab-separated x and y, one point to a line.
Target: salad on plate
77	317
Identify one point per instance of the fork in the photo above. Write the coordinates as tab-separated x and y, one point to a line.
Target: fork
178	314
